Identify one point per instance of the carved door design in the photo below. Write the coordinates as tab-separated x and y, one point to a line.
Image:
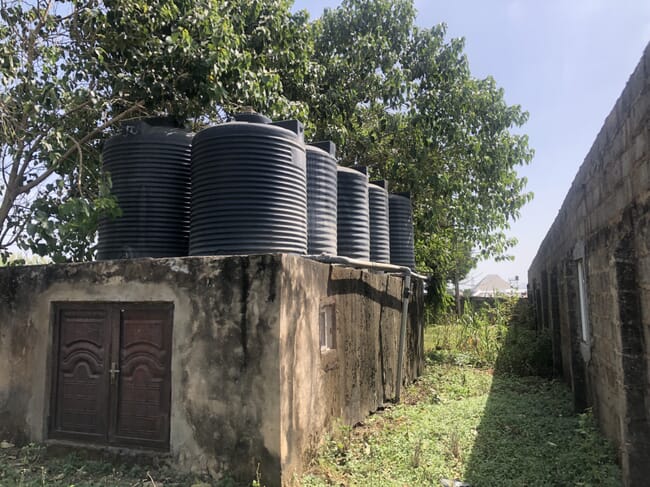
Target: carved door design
111	374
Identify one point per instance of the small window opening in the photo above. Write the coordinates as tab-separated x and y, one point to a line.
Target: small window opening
582	294
327	325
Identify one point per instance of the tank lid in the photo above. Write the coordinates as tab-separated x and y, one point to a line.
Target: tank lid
382	183
251	116
350	171
149	124
403	195
294	125
361	169
326	145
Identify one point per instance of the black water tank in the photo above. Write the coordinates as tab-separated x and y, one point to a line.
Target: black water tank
149	165
249	189
321	198
353	219
379	222
402	250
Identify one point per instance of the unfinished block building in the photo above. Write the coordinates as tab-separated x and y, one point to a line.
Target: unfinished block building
590	280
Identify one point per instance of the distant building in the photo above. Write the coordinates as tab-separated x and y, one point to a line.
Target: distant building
491	286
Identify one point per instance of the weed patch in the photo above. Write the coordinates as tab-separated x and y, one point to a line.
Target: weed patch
467	423
480	413
30	466
494	335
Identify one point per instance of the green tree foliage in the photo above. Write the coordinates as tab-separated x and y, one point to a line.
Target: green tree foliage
72	70
196	58
402	101
394	97
50	117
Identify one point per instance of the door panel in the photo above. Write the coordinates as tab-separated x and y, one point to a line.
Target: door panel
111	382
83	333
144	392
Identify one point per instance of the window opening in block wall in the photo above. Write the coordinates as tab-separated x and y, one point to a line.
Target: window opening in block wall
327	326
582	296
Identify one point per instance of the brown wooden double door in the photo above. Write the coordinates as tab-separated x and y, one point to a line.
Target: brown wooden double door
111	373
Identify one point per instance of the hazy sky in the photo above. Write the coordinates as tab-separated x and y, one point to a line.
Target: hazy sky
565	62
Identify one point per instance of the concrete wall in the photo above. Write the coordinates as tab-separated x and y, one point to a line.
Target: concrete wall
250	385
604	222
360	376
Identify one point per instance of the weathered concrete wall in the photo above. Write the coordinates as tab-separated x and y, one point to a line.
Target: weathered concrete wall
359	376
604	222
225	405
250	386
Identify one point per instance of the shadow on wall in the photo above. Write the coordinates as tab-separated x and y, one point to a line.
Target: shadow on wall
529	430
344	286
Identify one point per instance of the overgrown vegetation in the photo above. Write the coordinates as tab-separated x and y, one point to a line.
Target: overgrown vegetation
30	466
466	423
496	333
479	413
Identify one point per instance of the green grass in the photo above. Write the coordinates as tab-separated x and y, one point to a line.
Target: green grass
481	413
30	466
466	423
498	335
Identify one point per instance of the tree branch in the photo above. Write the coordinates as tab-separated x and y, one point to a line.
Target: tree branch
13	190
16	234
89	136
81	159
28	157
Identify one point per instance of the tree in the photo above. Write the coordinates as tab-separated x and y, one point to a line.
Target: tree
401	100
73	70
394	97
358	47
50	113
463	262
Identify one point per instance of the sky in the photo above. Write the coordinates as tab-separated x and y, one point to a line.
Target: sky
565	62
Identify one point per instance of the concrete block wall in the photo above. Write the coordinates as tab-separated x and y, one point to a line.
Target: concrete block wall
250	385
603	221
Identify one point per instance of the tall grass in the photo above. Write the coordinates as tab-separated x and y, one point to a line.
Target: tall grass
494	334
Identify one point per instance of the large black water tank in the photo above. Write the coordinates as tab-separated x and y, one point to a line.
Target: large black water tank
321	198
402	250
379	222
149	165
353	219
249	189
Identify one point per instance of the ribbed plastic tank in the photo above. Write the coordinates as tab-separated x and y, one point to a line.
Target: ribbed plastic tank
402	251
249	189
353	219
321	198
149	166
379	222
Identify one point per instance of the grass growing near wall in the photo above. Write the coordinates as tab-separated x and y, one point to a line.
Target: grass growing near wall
473	338
478	414
466	423
31	466
482	335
